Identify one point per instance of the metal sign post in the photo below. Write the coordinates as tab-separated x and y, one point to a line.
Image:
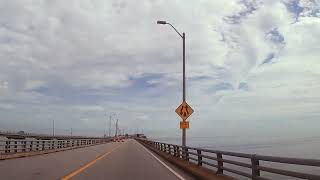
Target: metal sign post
184	111
183	36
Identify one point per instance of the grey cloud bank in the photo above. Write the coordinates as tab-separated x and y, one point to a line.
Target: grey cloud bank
252	66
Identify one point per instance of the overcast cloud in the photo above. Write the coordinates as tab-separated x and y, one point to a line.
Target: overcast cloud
252	66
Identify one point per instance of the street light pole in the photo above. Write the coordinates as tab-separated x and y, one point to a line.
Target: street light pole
53	128
184	83
183	36
105	127
117	128
110	117
109	125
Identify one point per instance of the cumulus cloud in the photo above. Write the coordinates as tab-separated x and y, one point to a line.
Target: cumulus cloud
78	61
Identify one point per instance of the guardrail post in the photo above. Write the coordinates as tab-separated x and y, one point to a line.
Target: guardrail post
7	147
24	146
15	146
186	153
177	151
199	158
31	146
255	170
220	163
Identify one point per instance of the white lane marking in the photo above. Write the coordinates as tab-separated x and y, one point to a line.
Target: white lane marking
171	170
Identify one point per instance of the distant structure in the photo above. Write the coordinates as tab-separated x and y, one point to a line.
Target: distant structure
140	136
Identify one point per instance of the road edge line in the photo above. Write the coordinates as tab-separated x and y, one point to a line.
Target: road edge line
164	164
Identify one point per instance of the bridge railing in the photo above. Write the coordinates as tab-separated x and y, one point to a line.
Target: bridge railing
250	164
17	146
17	134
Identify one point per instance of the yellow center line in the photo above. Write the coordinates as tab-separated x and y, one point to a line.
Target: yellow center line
77	171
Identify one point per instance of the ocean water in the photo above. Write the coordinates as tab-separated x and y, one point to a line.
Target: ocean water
303	147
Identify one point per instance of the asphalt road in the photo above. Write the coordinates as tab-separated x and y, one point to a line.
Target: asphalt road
115	161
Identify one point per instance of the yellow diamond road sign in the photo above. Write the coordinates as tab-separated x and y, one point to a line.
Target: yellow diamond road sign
184	110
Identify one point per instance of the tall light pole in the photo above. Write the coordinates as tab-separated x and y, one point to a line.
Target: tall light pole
117	128
112	114
183	36
105	129
52	127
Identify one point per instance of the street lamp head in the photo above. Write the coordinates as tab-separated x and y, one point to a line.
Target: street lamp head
161	22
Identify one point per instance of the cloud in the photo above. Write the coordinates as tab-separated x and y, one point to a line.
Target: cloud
221	87
243	86
268	58
33	85
78	61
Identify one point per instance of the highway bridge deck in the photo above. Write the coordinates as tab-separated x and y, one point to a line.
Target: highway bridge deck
114	160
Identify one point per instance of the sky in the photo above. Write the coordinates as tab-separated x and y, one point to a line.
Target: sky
252	66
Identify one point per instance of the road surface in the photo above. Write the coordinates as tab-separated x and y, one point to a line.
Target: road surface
127	160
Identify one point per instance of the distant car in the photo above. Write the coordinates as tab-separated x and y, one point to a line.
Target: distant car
21	132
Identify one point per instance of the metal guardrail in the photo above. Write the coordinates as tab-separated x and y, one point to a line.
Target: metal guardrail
22	135
208	157
17	146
